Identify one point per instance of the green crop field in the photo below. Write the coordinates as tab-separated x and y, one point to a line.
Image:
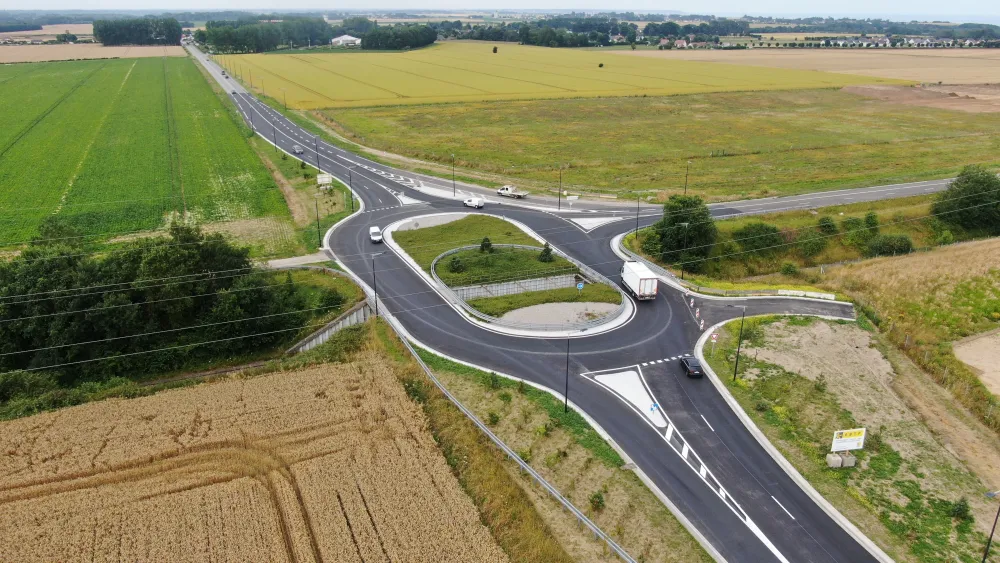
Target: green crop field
745	144
117	146
469	71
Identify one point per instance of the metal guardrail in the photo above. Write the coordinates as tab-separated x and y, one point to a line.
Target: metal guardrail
660	271
586	272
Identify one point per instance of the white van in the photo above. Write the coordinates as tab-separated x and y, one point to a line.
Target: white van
376	234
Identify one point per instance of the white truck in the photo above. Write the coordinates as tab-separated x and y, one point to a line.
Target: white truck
640	280
511	191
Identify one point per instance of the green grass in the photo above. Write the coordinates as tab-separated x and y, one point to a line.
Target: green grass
500	265
424	245
138	140
571	421
748	144
880	494
592	293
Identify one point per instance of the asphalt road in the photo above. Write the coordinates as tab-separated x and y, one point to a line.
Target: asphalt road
704	460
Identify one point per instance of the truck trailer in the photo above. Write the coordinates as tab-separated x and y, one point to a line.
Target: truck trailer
639	280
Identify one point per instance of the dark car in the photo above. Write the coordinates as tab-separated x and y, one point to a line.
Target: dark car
692	367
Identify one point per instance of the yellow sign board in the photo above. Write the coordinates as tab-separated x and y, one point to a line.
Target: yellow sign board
844	440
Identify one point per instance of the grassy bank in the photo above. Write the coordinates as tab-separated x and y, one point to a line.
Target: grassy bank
924	302
483	470
498	265
591	293
802	242
802	379
750	144
424	245
575	459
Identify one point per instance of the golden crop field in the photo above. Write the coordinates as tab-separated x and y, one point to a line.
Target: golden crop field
330	463
458	71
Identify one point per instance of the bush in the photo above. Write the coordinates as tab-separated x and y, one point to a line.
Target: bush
812	243
546	254
827	225
492	418
789	269
686	233
972	201
758	238
455	265
486	245
494	49
601	65
889	245
960	509
597	500
505	396
871	220
856	233
494	382
945	237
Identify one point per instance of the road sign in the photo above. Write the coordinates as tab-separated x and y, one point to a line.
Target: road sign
572	197
697	313
702	325
653	407
715	337
322	179
845	440
579	286
692	301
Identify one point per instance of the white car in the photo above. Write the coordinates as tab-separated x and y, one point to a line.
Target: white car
297	149
375	233
474	202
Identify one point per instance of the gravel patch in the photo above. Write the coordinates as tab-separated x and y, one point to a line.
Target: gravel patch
560	313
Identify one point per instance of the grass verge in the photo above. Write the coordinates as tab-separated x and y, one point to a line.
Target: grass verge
591	293
426	244
498	265
570	454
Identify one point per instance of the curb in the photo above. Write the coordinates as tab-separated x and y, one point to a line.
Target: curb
783	463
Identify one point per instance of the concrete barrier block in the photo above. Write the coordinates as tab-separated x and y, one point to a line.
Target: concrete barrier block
834	460
848	460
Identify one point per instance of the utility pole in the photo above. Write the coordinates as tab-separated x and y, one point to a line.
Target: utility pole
739	343
375	281
350	182
685	247
686	173
566	393
274	137
453	175
319	236
316	150
251	78
284	98
559	200
989	541
636	217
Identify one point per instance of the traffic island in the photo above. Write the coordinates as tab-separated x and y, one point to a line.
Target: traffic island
505	280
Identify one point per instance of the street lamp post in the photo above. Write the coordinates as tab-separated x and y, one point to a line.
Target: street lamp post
686	173
274	137
453	175
284	98
685	247
350	182
566	390
989	541
375	281
316	150
319	237
637	217
559	195
739	343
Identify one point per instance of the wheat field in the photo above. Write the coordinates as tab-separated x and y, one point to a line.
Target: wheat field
330	463
469	71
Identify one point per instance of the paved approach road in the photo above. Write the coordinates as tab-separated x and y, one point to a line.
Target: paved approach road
699	455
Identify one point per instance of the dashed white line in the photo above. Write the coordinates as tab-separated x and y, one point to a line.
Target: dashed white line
709	425
783	508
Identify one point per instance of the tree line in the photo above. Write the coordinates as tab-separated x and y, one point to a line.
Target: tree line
398	37
688	236
5	27
148	307
138	31
250	35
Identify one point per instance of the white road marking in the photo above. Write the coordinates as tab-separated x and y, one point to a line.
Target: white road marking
783	508
706	422
659	361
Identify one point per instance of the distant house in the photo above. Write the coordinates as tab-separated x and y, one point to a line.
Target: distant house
664	41
617	38
345	41
680	44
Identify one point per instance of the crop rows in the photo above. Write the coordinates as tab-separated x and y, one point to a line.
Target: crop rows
460	71
329	463
122	151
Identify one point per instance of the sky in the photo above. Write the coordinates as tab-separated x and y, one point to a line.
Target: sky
954	10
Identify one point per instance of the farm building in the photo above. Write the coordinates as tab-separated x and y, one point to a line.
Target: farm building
345	41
